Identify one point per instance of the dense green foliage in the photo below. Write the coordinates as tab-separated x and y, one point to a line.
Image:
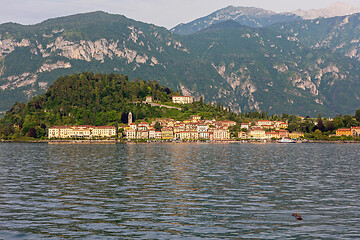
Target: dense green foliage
324	128
92	99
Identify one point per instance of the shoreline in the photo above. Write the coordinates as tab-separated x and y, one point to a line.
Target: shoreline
55	142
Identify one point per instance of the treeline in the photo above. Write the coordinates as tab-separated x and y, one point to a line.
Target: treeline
323	129
84	99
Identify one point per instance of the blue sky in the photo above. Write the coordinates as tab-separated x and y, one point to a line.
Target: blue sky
167	13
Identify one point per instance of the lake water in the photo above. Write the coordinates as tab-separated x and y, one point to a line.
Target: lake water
179	191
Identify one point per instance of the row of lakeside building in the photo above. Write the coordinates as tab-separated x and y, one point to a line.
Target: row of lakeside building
191	129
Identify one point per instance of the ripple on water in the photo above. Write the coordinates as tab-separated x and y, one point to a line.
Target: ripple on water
179	191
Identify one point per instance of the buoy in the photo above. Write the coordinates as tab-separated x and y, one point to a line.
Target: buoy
297	216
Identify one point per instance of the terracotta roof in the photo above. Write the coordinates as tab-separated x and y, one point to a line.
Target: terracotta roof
107	127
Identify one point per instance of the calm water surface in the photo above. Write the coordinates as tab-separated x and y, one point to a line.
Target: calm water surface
179	191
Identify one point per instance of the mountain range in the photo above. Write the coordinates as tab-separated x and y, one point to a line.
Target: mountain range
266	62
258	18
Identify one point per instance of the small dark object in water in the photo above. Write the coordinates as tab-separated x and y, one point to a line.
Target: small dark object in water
297	216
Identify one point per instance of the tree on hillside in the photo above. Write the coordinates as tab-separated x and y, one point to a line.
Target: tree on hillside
157	126
32	133
330	126
293	127
349	121
357	115
320	124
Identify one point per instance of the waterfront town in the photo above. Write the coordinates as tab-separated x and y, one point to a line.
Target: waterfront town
193	128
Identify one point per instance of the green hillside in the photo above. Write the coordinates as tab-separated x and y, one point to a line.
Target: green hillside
273	72
90	99
339	34
240	67
34	56
98	99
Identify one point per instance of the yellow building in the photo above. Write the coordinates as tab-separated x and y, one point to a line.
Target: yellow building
167	133
280	125
272	135
257	133
343	132
296	135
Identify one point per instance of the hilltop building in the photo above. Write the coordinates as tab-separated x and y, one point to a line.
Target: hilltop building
182	99
149	99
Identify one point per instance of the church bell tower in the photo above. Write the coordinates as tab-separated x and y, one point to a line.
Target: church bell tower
130	118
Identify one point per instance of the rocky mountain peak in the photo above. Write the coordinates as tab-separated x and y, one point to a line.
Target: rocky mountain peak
334	10
247	11
249	16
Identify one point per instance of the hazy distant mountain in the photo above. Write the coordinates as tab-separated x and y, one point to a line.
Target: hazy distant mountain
249	16
334	10
257	17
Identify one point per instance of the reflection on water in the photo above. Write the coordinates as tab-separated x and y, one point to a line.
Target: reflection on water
188	191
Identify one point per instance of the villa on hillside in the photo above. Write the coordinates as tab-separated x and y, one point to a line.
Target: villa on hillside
149	99
182	99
